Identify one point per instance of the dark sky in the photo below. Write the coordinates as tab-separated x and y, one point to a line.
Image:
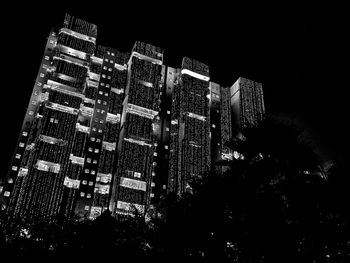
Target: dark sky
298	53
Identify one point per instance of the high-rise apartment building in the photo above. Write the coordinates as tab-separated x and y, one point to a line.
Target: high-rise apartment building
111	130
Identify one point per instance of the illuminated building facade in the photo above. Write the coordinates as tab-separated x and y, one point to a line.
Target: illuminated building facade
247	104
112	130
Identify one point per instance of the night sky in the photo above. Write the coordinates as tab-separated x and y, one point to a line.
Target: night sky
298	54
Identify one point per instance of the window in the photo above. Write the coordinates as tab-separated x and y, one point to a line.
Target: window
166	147
33	102
106	59
88	160
24	133
155	154
46	57
113	54
84	182
152	195
102	84
110	69
107	85
137	175
10	181
87	171
86	208
92	172
14	168
98	140
168	111
7	193
90	149
106	94
100	131
112	61
82	194
94	162
18	156
103	76
214	126
99	101
108	77
164	186
51	41
167	129
108	53
104	67
101	121
88	196
97	150
100	92
39	84
105	103
21	144
41	75
93	139
102	111
91	183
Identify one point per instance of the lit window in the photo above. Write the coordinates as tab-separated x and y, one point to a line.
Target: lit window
42	75
152	195
102	84
30	112
87	171
167	129
100	92
98	140
94	162
106	59
90	149
107	85
10	181
18	156
113	54
101	121
47	57
96	150
88	160
14	168
82	194
155	154
99	101
111	61
84	182
166	147
100	131
24	133
110	69
91	183
93	172
108	77
21	144
88	196
102	111
137	175
7	193
106	94
51	41
214	126
86	208
164	186
108	53
33	102
105	103
168	111
104	67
